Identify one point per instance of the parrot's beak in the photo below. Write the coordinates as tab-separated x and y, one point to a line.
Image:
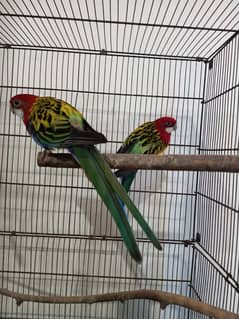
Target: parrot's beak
11	106
171	129
16	111
12	109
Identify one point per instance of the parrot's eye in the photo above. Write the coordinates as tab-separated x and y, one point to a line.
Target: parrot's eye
16	103
169	124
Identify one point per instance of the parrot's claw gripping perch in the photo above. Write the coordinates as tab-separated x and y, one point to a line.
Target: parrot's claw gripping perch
45	155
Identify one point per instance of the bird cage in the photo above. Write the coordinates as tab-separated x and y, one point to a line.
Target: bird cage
121	64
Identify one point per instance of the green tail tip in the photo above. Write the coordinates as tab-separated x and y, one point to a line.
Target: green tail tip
138	258
157	244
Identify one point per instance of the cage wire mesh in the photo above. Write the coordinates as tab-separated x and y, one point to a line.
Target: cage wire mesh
121	63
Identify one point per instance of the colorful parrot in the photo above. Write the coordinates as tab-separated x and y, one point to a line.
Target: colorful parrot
54	123
149	138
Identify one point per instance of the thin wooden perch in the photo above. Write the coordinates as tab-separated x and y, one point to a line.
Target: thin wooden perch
164	298
223	163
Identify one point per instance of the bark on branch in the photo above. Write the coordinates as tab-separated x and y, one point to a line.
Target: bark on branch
164	298
223	163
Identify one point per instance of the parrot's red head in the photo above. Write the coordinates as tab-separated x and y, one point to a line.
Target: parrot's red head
21	105
165	126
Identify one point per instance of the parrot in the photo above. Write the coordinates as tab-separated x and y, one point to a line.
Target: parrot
54	123
149	138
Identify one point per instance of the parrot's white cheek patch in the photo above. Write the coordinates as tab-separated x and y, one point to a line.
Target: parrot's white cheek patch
169	129
18	112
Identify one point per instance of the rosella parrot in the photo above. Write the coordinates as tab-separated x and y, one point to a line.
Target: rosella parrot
149	138
54	123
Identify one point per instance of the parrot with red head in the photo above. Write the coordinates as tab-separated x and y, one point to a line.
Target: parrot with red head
53	123
149	138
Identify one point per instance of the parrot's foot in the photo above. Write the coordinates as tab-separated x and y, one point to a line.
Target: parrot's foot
43	158
46	153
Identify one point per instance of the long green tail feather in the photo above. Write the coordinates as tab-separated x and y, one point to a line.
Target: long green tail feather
127	178
119	189
90	163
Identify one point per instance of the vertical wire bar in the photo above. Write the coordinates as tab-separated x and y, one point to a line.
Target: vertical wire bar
166	29
197	183
70	27
110	17
145	27
1	172
97	28
43	25
104	18
131	28
152	28
180	31
83	25
77	27
6	256
90	26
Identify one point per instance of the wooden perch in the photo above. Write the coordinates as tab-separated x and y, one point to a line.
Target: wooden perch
222	163
164	298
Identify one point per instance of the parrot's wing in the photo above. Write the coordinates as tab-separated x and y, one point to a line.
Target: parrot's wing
126	147
84	136
60	130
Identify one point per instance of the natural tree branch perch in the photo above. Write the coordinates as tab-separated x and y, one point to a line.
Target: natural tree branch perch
163	297
165	162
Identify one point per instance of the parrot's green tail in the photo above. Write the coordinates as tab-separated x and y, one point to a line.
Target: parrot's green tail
113	194
119	189
88	158
127	178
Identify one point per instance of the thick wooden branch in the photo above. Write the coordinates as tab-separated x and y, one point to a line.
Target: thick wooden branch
164	298
166	162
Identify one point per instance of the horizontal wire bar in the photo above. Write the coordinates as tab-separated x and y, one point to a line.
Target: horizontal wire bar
222	163
108	141
103	93
217	202
218	149
91	188
14	233
91	276
221	94
103	52
215	53
223	272
170	26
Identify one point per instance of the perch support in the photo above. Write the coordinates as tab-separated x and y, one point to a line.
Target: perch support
223	163
164	298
